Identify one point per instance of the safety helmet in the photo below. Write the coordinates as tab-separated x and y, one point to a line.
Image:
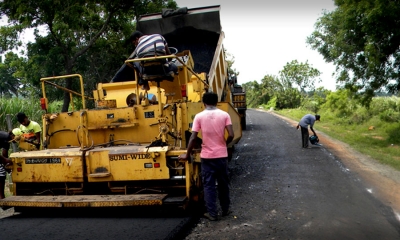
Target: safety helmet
17	131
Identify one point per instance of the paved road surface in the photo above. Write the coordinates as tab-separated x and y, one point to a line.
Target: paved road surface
94	224
282	191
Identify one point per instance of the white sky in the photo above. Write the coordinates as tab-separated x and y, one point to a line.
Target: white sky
264	35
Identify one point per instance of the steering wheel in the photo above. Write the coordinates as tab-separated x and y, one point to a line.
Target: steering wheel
173	50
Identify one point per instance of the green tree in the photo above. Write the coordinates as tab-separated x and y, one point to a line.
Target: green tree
314	101
340	102
79	35
300	75
296	79
9	82
362	39
253	91
270	88
287	91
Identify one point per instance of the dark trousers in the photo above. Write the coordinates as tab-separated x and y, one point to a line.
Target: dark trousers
304	136
2	185
212	171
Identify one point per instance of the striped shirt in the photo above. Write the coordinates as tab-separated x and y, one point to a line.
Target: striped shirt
4	144
2	171
146	43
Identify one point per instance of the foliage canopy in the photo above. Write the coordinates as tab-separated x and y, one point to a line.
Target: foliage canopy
287	90
362	39
80	36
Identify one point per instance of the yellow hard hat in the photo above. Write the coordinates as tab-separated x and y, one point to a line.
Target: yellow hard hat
17	131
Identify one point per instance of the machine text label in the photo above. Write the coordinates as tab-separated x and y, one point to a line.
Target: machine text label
42	160
130	156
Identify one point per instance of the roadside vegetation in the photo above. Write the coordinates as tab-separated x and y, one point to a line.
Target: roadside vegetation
371	127
31	107
361	39
374	132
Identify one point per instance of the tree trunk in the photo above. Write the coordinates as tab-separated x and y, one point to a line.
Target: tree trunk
68	85
67	99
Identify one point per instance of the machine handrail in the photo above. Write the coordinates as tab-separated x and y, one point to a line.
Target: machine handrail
82	94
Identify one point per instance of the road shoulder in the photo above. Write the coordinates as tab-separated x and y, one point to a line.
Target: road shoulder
384	180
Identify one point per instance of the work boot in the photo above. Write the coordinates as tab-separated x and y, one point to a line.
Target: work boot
226	213
209	217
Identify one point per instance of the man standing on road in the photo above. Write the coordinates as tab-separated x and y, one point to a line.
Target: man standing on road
5	138
308	119
214	155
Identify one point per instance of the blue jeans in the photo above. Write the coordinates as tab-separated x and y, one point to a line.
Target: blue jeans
212	171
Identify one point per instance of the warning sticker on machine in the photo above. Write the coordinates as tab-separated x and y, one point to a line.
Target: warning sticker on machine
42	160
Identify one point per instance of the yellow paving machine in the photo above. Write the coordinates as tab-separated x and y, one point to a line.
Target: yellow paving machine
124	151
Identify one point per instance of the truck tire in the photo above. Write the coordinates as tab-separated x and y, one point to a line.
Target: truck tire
243	121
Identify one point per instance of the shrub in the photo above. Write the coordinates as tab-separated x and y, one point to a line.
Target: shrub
271	103
393	133
310	104
341	103
380	104
390	115
359	116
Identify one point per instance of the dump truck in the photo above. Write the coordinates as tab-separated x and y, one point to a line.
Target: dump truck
239	100
124	151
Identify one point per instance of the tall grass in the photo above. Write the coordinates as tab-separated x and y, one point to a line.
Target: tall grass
348	122
31	107
374	131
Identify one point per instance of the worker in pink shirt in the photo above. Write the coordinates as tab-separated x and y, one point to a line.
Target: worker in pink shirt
212	122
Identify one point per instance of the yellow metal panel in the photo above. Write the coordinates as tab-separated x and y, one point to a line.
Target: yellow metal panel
127	163
98	95
217	74
61	165
190	111
99	163
111	118
26	146
131	167
62	131
196	88
172	90
118	91
123	125
235	118
106	104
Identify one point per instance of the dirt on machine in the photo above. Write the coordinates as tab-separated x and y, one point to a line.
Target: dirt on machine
124	151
